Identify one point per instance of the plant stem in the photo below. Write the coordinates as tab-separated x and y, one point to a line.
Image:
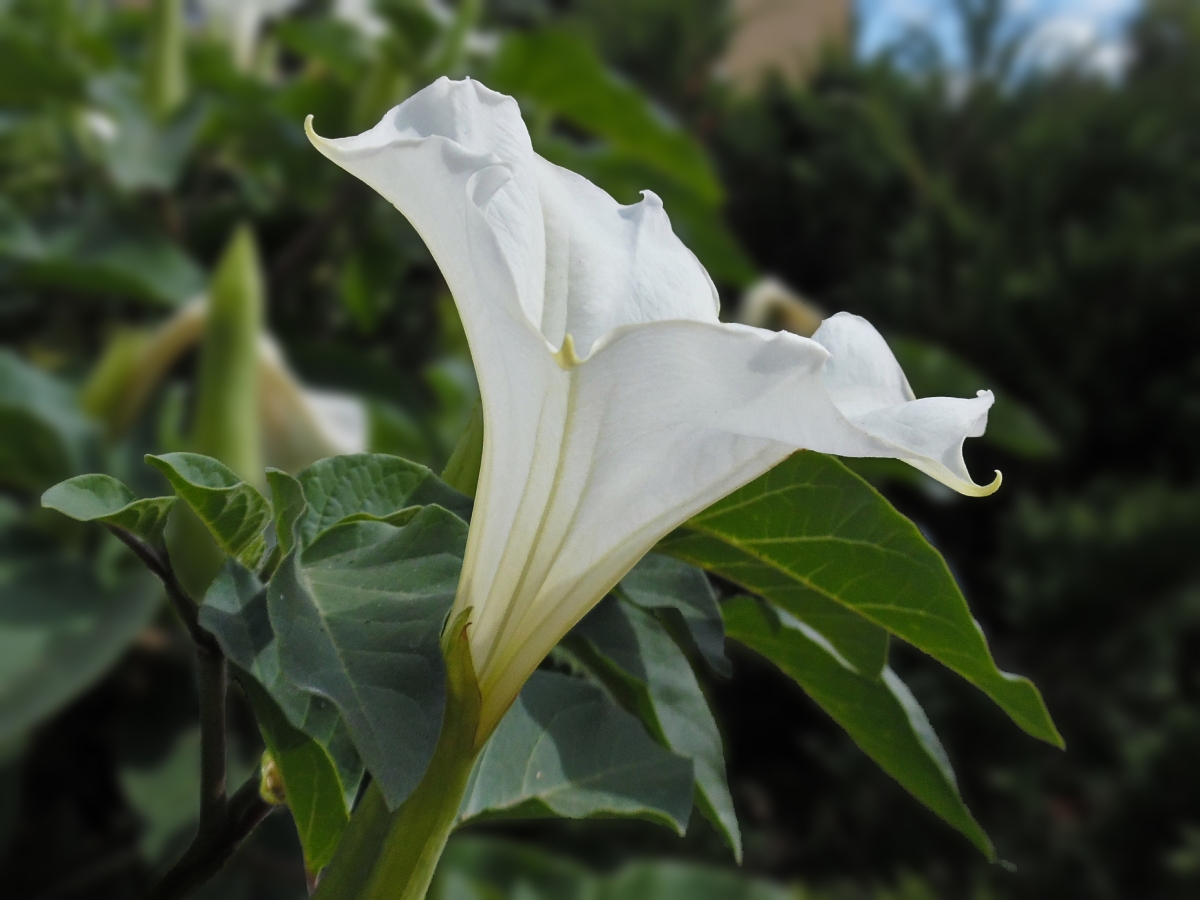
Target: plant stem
225	822
212	677
205	858
419	829
394	856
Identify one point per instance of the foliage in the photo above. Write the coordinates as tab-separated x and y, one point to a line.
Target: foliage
1001	222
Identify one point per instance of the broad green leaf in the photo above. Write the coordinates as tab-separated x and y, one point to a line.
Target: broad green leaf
565	749
862	643
880	714
814	521
103	499
60	630
234	512
318	795
660	582
235	610
935	372
43	437
563	74
371	483
357	616
636	659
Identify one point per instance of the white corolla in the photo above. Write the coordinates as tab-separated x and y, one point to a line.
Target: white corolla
616	404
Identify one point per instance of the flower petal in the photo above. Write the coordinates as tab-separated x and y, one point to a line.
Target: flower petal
609	265
869	388
662	421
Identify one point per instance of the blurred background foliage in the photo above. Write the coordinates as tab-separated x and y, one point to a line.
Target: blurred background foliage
1043	223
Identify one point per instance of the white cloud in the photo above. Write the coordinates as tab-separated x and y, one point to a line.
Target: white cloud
1077	40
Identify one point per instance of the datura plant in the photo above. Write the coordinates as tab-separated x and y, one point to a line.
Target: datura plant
523	636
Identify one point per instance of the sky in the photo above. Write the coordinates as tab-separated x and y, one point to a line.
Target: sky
1085	30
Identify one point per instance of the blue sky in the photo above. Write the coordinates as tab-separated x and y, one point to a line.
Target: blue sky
1087	29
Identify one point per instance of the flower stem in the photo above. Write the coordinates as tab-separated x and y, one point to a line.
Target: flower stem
394	856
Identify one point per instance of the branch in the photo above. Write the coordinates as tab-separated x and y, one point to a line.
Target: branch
158	562
204	859
225	822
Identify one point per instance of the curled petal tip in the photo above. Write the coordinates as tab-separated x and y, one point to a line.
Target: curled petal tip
988	489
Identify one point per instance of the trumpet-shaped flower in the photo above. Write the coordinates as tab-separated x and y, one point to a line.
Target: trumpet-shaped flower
616	404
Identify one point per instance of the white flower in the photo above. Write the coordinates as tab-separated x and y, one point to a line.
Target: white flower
616	404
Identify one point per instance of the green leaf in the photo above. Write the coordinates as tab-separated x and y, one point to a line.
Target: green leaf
318	794
358	616
234	512
636	659
60	630
816	523
935	372
660	582
565	749
43	437
563	74
880	714
371	483
862	643
287	496
103	499
315	793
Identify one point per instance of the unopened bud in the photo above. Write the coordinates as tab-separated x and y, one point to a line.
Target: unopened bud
270	788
